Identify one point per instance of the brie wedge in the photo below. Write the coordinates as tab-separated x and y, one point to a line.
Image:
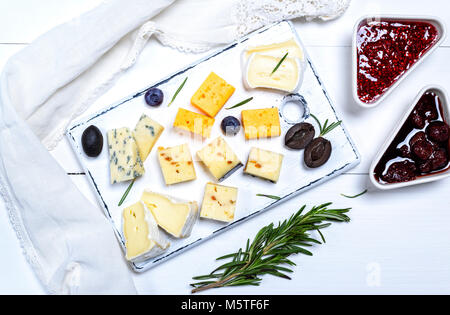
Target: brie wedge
175	216
143	239
259	73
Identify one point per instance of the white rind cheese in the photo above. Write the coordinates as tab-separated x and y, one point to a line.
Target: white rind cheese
258	73
124	159
143	239
277	49
177	217
219	202
146	133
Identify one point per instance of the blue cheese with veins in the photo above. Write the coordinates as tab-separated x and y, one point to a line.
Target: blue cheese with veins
146	133
124	159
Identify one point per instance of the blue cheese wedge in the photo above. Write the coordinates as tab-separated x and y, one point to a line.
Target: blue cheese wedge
219	159
124	159
177	217
176	164
146	133
264	164
143	239
219	202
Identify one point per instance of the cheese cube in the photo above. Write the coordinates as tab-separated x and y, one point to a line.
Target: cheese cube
212	95
264	164
219	202
124	160
146	133
261	123
194	122
220	160
143	239
176	164
175	216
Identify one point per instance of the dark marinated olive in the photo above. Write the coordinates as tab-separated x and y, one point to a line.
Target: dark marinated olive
420	136
92	141
438	131
439	159
299	136
317	152
154	97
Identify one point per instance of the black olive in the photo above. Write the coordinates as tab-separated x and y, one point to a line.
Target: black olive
92	141
299	136
317	152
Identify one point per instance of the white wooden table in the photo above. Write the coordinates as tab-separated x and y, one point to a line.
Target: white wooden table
397	241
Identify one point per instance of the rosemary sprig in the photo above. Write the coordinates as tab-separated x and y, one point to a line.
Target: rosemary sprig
279	63
269	196
269	251
325	128
241	103
178	91
126	193
355	196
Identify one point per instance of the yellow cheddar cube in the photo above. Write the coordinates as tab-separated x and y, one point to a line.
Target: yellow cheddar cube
212	95
193	122
261	123
176	164
219	202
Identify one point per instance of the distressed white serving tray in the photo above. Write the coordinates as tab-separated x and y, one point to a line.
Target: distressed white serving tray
295	176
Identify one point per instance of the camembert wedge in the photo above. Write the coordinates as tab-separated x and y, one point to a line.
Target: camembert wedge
143	239
219	159
219	202
124	159
175	216
146	133
265	164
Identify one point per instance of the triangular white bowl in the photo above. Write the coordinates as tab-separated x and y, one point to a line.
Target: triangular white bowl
423	179
437	22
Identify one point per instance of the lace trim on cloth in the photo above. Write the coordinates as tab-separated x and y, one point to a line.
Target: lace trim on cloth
246	15
250	15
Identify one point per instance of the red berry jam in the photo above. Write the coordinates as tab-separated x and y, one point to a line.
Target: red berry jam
386	49
421	147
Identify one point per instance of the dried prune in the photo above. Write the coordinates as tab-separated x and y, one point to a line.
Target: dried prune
438	131
299	136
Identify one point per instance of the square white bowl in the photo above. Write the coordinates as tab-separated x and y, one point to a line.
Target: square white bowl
437	22
422	179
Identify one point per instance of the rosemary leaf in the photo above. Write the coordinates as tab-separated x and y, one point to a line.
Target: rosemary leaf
269	251
178	91
279	63
241	103
325	128
126	192
355	196
269	196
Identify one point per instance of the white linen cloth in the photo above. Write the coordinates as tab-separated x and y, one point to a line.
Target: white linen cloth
68	241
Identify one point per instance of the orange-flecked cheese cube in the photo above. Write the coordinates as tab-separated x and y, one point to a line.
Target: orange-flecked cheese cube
194	122
212	95
261	123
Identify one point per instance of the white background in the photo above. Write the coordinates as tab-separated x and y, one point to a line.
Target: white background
397	242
